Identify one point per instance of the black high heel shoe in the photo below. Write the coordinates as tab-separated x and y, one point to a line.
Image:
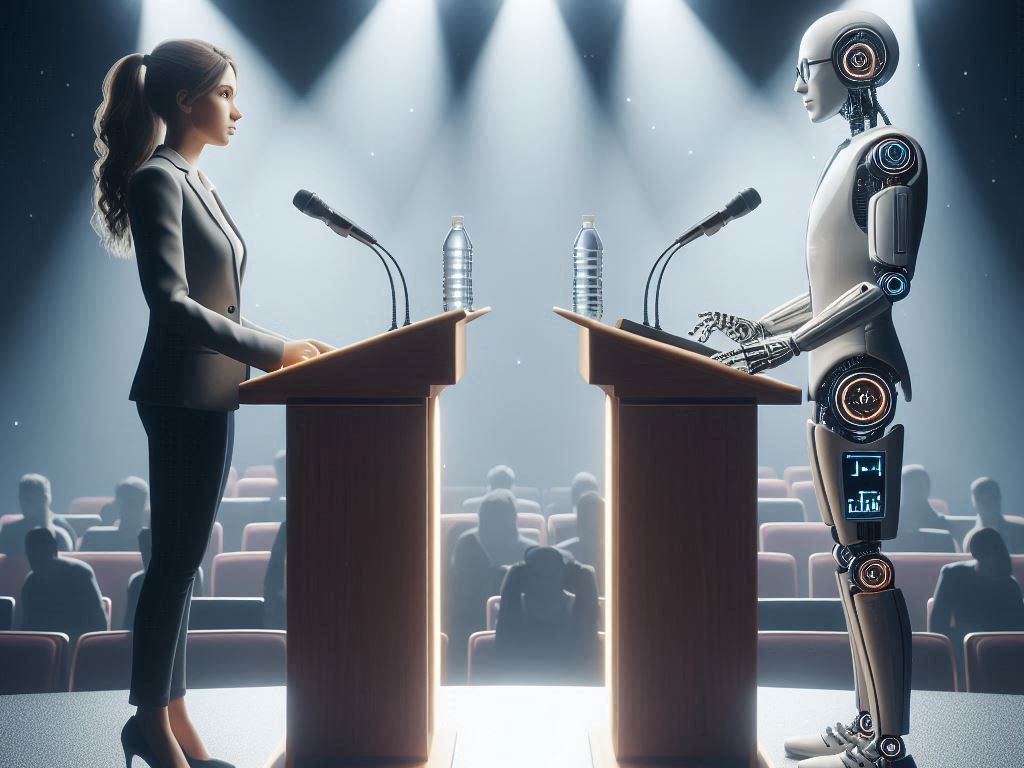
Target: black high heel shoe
133	741
195	762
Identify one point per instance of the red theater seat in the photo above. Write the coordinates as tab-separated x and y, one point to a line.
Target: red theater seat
776	575
88	505
13	570
102	661
795	474
994	662
452	497
561	527
769	473
770	488
260	470
934	665
557	500
804	490
259	537
32	662
239	574
256	488
236	658
231	486
801	540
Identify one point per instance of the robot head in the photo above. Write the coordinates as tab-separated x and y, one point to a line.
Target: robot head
841	55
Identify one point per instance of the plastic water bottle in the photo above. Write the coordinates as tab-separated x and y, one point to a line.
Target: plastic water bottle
587	257
457	277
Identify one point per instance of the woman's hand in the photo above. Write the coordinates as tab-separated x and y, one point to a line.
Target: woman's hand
322	347
298	352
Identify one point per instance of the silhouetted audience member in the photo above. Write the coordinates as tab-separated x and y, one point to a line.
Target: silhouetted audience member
478	568
921	529
979	595
501	477
59	595
130	516
275	600
587	546
582	482
34	498
547	625
145	544
987	500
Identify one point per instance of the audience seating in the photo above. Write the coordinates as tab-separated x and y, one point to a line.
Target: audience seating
776	575
236	513
523	507
100	538
561	526
102	661
7	604
258	537
260	470
88	505
558	500
226	613
804	490
771	488
494	609
795	474
940	506
82	523
236	658
113	572
32	662
994	662
239	574
444	659
452	496
801	540
917	573
773	510
823	660
11	518
535	521
800	614
213	548
453	526
108	608
256	488
13	570
231	486
768	473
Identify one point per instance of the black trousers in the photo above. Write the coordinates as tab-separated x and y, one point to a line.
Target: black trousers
189	459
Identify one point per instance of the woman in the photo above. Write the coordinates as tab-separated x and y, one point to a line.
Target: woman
198	348
980	595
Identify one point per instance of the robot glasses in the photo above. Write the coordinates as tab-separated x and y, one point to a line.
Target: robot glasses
804	69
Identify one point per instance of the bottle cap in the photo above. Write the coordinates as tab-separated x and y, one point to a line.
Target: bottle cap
588	222
457	221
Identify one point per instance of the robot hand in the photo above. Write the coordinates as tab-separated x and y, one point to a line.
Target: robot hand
759	355
739	329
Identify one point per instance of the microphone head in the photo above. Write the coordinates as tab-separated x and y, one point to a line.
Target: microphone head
303	199
743	203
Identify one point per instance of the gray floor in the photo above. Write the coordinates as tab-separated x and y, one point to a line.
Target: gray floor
528	727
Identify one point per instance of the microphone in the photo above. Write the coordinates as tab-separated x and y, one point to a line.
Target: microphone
311	205
739	206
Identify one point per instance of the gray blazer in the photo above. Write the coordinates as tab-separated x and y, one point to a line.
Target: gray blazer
199	347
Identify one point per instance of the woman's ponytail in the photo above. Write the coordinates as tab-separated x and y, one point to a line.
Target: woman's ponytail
127	131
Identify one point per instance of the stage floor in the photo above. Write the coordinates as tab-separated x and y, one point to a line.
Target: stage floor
496	727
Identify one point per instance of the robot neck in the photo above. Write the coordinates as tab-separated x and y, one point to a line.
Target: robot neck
862	109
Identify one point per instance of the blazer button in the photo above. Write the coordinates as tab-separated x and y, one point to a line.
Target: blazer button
231	309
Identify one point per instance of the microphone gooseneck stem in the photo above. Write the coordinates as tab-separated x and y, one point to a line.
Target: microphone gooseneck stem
394	308
405	288
657	291
647	288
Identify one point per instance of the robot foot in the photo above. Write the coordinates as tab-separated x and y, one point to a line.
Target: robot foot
831	741
856	756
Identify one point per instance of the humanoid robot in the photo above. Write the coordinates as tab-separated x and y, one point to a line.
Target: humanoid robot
863	233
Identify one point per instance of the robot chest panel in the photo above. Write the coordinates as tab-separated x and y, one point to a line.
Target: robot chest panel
837	246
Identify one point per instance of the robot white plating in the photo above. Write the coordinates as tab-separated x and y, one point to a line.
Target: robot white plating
863	233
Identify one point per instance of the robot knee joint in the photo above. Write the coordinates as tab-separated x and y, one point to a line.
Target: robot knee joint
891	747
871	572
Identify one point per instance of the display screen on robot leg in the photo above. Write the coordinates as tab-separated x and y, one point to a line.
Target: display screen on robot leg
864	485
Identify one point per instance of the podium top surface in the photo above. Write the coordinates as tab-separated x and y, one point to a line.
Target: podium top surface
627	365
416	360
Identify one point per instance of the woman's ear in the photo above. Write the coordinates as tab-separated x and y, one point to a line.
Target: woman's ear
181	98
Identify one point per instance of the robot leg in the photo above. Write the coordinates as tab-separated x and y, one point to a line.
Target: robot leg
862	724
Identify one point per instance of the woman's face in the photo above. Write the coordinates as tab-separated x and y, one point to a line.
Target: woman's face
214	115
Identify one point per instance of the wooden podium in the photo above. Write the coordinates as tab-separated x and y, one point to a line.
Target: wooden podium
363	492
681	564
